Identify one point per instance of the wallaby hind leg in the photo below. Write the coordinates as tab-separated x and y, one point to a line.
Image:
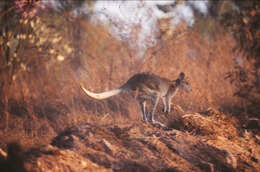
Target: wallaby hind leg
143	109
151	116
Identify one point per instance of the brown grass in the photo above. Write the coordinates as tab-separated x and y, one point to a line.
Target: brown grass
46	98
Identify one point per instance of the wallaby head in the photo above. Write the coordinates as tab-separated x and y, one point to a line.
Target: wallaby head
182	83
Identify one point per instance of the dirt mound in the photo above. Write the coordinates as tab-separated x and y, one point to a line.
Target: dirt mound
145	147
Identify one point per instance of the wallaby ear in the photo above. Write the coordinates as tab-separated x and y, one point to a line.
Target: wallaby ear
181	76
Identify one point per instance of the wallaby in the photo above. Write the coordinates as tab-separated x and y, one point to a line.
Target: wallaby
149	86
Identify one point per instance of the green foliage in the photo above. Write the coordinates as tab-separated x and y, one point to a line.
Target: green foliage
43	33
207	27
242	18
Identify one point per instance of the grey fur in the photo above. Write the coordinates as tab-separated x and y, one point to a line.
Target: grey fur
149	86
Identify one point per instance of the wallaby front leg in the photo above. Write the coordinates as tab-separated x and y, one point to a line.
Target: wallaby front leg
168	101
164	104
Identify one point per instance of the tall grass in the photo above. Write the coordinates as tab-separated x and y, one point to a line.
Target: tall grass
44	99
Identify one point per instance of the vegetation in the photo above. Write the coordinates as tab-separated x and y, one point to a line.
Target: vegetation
45	55
242	19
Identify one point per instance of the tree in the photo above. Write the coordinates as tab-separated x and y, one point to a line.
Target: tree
242	19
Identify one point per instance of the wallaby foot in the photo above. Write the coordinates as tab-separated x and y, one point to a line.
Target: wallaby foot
144	118
152	121
158	123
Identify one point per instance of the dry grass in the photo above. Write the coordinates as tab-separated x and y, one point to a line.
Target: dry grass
42	101
221	131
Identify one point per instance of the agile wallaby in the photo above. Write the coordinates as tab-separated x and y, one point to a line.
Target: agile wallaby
148	85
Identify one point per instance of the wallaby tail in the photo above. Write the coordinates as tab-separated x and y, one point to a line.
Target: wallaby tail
103	95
